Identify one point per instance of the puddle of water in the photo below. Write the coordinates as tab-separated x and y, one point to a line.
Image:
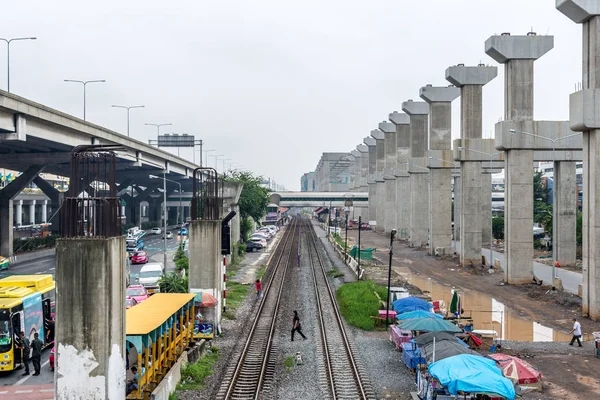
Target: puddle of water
488	313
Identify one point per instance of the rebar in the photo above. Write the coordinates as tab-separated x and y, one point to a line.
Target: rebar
207	197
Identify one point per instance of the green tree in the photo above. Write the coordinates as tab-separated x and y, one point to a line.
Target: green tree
540	191
542	211
173	283
254	198
579	228
498	227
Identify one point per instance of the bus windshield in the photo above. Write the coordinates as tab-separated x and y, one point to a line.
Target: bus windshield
6	332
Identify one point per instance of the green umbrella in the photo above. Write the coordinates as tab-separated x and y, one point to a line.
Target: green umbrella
454	303
430	324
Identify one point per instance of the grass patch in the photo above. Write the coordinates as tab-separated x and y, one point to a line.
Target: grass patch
339	240
236	294
194	375
261	272
288	363
335	273
358	302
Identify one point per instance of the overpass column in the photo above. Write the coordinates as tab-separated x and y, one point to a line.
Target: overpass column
419	174
467	204
440	179
56	198
6	226
486	209
518	53
370	142
402	123
44	211
19	212
379	180
456	202
564	236
390	212
584	117
363	172
32	212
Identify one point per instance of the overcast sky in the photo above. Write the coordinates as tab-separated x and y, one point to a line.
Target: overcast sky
271	83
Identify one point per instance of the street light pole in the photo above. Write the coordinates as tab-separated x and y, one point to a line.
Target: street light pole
205	156
554	191
358	256
165	218
491	156
387	313
8	41
84	83
128	108
346	244
158	128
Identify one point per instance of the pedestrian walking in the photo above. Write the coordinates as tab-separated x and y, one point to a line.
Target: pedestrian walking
296	326
576	332
24	347
36	354
258	285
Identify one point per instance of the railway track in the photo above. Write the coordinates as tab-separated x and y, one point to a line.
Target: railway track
344	377
254	369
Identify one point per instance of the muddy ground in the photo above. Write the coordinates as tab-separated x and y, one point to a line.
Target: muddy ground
567	376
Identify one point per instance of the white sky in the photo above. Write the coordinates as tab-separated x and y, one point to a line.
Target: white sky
272	83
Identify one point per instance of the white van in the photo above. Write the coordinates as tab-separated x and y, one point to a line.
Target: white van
150	274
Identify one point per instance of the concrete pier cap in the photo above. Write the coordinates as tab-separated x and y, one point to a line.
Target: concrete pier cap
369	141
459	75
377	134
387	127
398	118
439	94
505	47
355	153
362	148
415	107
536	135
579	11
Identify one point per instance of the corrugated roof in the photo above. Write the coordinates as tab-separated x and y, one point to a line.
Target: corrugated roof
152	313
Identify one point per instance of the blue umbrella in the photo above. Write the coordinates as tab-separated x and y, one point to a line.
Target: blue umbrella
430	324
410	304
417	314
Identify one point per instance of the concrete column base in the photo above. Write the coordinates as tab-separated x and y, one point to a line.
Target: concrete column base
470	213
565	213
419	216
390	213
440	213
486	208
403	207
90	318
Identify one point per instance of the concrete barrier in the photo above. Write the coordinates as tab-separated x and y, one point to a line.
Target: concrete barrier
33	255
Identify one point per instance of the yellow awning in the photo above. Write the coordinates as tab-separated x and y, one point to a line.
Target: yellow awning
152	313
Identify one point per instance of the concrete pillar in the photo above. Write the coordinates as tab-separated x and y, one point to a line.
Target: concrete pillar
379	179
44	205
370	142
440	182
518	53
486	209
402	123
564	231
18	212
363	187
471	81
32	212
457	186
56	198
90	330
390	211
206	261
419	188
6	226
585	118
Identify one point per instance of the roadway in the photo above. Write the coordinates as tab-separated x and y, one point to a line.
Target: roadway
153	245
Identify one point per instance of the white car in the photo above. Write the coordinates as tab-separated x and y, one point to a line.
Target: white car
270	228
259	240
264	235
156	231
149	276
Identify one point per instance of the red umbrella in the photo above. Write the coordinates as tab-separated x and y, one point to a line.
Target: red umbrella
517	370
208	300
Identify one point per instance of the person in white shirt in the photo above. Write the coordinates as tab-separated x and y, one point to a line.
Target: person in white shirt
576	332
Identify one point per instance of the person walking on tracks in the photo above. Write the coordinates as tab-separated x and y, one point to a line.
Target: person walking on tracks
258	285
36	355
297	327
576	332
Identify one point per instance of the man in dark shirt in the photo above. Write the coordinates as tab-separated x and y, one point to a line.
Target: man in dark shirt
24	347
36	355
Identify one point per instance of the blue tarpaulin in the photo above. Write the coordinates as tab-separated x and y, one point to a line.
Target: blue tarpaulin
471	374
417	314
410	304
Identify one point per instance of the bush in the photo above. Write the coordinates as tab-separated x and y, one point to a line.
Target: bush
182	264
498	227
173	283
358	302
579	228
538	245
32	244
194	375
149	224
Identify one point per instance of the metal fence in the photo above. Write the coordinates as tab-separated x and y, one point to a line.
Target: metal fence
92	208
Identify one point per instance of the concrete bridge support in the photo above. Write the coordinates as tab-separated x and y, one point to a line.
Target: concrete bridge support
486	210
419	174
379	179
456	203
390	211
584	117
470	80
371	144
518	53
440	144
402	123
564	230
90	330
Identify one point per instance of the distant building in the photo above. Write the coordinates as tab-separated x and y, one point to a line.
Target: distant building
333	172
308	182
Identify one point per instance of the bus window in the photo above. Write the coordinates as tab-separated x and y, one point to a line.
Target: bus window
16	325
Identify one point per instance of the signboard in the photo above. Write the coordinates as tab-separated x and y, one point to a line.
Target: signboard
33	316
176	140
203	331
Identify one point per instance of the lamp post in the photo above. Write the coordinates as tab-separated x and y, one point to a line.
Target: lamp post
454	163
180	211
554	191
491	156
387	313
329	221
358	256
158	127
84	83
346	243
8	41
128	108
206	155
225	159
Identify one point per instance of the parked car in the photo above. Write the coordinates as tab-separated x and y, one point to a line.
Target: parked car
130	302
259	240
264	235
253	246
272	228
169	235
139	257
156	231
51	359
137	292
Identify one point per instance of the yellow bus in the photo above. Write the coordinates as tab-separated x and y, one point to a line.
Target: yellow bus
26	302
